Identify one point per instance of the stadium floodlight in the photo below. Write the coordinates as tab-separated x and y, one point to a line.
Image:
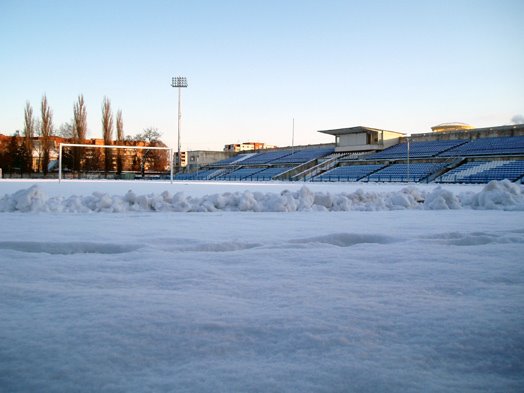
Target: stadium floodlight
180	82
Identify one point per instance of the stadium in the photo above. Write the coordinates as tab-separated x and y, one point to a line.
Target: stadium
451	153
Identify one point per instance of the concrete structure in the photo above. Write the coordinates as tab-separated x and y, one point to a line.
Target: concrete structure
471	133
199	158
359	139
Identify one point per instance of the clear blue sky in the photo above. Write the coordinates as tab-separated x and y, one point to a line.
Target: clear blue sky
254	65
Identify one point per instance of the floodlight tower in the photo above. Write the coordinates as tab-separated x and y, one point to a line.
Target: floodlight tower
179	81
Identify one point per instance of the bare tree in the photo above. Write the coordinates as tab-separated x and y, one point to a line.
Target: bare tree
150	135
66	130
37	147
120	139
152	159
80	130
46	131
119	126
29	132
107	130
80	119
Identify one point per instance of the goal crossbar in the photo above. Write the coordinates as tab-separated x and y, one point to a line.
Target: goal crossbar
116	147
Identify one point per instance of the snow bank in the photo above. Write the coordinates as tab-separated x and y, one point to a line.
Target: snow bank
501	195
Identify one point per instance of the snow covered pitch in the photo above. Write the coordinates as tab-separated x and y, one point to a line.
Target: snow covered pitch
253	287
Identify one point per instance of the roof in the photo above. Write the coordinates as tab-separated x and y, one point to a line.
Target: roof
454	124
356	130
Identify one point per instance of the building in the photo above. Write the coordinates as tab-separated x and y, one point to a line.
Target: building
361	139
199	158
247	146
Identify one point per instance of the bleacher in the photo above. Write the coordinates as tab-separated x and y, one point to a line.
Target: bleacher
390	165
414	172
484	172
488	146
232	160
184	176
198	175
424	149
265	158
269	173
240	174
301	156
348	173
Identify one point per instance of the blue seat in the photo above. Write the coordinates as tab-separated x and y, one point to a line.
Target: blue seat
301	156
348	173
402	172
417	149
489	146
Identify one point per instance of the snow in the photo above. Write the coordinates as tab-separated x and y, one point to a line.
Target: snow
496	195
396	289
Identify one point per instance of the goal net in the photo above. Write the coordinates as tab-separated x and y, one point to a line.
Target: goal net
85	161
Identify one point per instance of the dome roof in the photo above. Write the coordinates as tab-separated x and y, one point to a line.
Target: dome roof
452	126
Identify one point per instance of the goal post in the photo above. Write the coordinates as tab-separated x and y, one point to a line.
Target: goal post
62	145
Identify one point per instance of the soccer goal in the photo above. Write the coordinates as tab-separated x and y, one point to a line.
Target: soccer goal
92	159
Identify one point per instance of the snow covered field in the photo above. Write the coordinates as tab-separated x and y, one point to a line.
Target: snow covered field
382	289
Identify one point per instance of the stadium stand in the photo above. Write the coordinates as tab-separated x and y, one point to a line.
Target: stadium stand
415	172
301	156
267	157
484	172
488	146
233	160
417	149
348	173
199	175
184	176
472	156
269	173
239	174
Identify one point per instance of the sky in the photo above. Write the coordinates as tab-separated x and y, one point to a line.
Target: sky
253	67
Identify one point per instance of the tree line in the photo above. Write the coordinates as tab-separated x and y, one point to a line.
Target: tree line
38	133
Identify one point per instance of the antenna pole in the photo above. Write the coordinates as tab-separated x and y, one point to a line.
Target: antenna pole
293	137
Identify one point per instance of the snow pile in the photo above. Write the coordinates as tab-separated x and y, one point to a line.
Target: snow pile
499	195
502	195
441	199
31	199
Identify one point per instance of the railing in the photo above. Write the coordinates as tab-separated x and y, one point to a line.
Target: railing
309	173
395	178
479	179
